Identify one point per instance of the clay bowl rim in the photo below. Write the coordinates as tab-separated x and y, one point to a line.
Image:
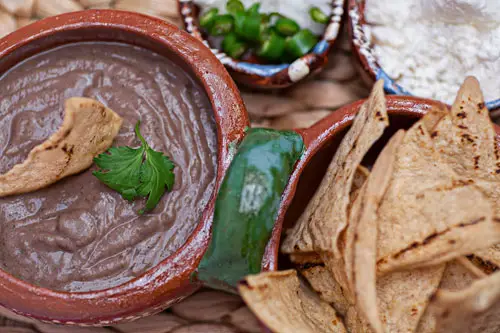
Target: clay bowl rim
318	135
168	282
363	52
271	76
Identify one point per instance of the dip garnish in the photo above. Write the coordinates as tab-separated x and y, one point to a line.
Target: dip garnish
136	172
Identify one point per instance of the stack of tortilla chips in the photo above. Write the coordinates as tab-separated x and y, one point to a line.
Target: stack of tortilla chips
411	246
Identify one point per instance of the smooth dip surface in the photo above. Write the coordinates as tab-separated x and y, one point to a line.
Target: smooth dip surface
79	235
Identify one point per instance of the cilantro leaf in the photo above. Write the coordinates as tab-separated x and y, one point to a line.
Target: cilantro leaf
136	172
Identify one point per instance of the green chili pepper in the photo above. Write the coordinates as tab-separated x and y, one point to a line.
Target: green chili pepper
254	9
207	19
247	206
234	6
318	16
249	27
272	48
222	25
286	27
232	46
300	43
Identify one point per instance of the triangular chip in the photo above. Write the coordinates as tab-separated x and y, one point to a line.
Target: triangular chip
285	305
325	218
467	141
361	260
402	297
88	129
323	283
459	274
471	310
421	232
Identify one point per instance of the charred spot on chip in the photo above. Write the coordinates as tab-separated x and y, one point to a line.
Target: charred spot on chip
452	241
467	137
429	238
378	114
473	222
420	196
421	130
476	162
462	127
480	106
434	134
461	115
485	265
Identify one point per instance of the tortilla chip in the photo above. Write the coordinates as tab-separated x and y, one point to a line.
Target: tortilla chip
402	297
307	258
471	310
458	275
361	265
360	176
420	232
467	141
285	305
88	129
323	283
486	266
325	218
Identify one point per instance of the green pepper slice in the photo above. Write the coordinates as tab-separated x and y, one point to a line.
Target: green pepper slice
247	206
234	6
207	19
286	27
318	16
272	47
233	46
301	43
249	27
223	24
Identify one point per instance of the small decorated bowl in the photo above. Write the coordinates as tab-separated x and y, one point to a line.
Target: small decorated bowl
370	68
270	76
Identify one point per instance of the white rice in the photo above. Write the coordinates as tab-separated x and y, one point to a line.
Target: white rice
297	10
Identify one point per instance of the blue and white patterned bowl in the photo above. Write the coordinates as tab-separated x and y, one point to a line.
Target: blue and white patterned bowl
270	76
362	49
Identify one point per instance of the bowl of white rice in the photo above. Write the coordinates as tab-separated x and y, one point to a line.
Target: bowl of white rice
279	75
426	48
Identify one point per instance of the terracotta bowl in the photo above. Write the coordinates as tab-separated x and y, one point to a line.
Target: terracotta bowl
369	67
322	141
270	76
169	281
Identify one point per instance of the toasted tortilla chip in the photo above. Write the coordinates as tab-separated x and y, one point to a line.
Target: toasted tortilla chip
361	266
458	275
285	305
467	141
470	310
88	129
307	258
360	176
323	283
443	215
486	266
402	297
325	218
